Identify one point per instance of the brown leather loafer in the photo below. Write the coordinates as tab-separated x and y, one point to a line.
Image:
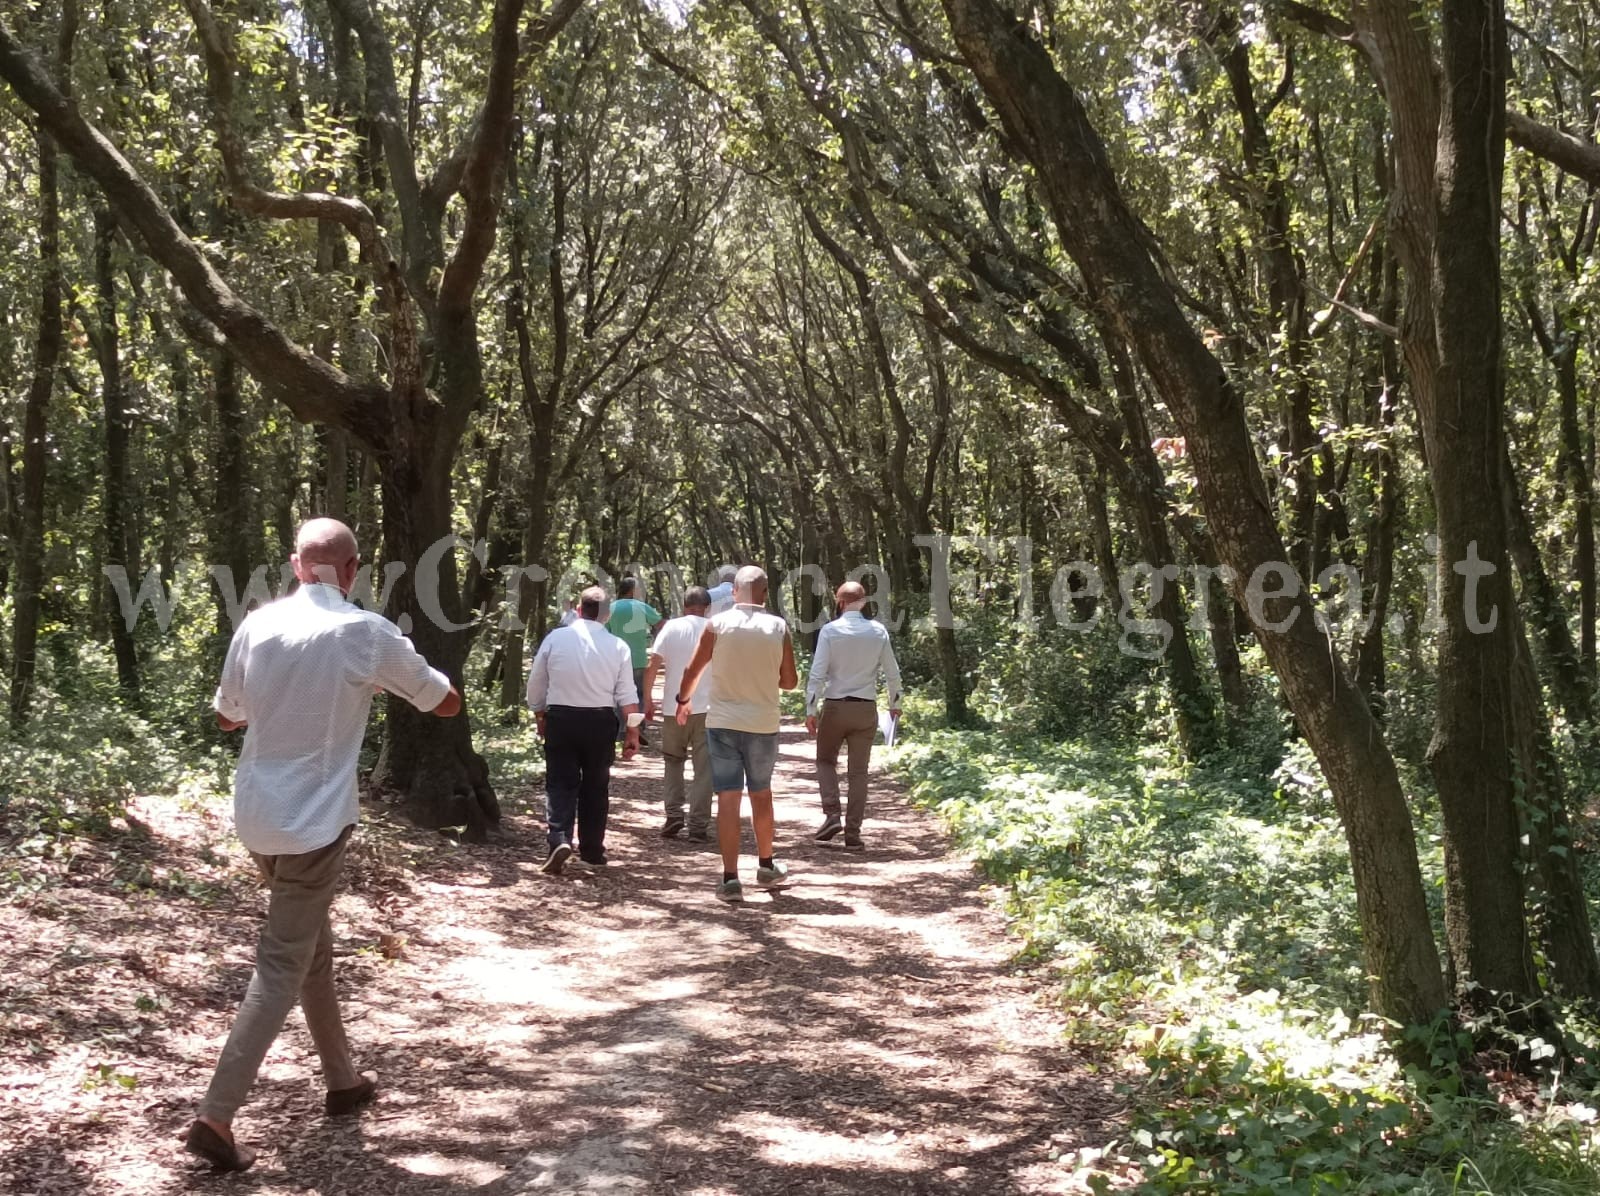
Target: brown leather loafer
222	1154
340	1101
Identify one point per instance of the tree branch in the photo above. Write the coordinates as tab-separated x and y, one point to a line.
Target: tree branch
311	388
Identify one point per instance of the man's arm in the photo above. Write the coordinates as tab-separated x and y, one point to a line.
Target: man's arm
539	685
817	682
692	674
788	675
648	697
626	697
401	670
229	699
891	675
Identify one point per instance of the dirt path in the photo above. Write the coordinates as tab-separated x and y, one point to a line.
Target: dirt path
858	1032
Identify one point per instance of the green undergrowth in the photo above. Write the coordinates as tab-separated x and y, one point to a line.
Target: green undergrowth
1202	923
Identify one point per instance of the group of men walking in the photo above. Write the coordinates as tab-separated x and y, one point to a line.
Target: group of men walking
300	676
722	675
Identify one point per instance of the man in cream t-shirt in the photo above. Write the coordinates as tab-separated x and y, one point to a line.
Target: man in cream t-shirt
750	657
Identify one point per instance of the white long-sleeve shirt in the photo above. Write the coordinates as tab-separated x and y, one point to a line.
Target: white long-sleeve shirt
300	673
582	665
851	652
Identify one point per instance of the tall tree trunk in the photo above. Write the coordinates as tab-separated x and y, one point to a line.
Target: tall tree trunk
1560	911
1145	495
1449	148
1576	470
121	545
428	765
1047	122
1371	666
35	439
1568	683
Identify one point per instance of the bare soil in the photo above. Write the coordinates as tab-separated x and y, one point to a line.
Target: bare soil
860	1031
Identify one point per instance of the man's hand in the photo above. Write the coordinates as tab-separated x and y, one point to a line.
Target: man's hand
683	714
451	706
894	713
649	710
226	723
538	723
630	744
811	725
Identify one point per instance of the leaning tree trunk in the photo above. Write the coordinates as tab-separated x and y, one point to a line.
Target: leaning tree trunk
1046	121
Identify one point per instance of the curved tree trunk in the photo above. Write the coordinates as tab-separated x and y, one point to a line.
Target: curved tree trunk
1045	119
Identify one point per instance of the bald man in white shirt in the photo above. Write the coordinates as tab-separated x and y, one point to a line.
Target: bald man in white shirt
853	651
300	676
582	676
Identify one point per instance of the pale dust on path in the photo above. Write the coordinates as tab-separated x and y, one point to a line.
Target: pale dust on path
860	1031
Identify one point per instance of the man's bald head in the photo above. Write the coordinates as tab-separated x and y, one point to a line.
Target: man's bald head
750	584
325	551
852	595
594	605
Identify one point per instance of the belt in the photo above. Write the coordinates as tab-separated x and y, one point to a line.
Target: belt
584	709
852	699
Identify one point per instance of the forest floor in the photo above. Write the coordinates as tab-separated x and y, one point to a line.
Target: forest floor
860	1031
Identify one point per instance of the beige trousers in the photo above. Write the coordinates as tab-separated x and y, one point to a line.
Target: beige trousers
679	745
851	725
294	961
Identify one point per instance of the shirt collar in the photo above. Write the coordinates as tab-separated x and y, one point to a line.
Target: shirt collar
324	595
852	614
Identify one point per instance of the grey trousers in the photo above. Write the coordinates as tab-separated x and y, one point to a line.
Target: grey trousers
678	746
851	725
294	961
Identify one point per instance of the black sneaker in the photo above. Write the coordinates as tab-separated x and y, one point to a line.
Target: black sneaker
699	836
672	827
830	827
559	855
852	841
595	861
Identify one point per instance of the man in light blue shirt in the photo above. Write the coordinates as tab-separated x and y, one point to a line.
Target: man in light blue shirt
842	706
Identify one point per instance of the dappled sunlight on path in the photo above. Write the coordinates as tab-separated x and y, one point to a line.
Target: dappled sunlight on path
858	1031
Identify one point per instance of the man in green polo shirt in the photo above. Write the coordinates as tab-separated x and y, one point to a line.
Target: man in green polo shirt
634	622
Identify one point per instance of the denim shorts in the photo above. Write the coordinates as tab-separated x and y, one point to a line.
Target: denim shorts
740	759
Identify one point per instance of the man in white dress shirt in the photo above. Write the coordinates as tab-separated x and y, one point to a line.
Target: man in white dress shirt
749	657
674	647
722	592
582	676
842	706
300	676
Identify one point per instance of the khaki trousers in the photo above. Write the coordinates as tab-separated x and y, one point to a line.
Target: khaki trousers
852	725
294	960
678	745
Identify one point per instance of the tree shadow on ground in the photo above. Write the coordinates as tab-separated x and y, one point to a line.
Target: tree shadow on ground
862	1031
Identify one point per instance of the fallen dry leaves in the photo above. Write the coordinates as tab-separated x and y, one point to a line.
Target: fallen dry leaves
860	1031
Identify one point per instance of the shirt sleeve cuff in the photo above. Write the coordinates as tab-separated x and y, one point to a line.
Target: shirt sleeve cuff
436	690
229	709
